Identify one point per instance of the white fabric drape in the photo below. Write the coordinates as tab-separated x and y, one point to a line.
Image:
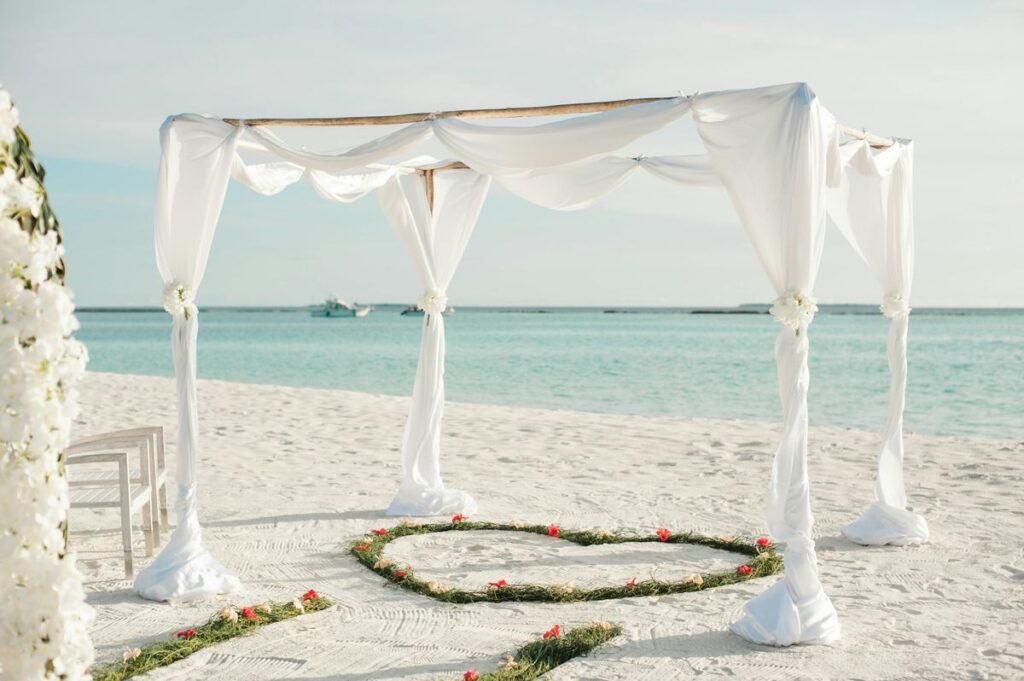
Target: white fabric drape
196	161
579	185
435	241
271	178
374	151
873	208
505	150
771	147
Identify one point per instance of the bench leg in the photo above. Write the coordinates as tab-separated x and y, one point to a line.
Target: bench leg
161	464
126	536
147	527
126	517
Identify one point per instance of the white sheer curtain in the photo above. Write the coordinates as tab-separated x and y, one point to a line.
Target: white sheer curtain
435	241
771	147
579	185
873	208
505	150
195	164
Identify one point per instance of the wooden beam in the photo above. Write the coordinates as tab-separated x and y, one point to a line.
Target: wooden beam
399	119
455	165
508	112
874	140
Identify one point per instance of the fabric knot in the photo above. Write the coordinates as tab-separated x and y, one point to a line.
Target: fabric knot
178	300
893	305
795	310
433	302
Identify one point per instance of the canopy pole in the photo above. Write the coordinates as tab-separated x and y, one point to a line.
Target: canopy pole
507	112
428	178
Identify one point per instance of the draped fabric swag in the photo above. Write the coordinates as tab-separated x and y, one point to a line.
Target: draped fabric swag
772	153
435	239
774	149
873	208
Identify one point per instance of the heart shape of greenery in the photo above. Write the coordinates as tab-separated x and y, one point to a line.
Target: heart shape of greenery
762	561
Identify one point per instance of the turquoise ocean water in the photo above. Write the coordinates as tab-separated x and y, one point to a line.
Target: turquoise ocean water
966	367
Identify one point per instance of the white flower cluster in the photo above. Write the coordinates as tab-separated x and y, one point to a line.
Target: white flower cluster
893	305
8	118
44	620
795	310
178	300
433	302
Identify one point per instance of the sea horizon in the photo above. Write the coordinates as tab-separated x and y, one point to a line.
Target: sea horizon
966	366
743	308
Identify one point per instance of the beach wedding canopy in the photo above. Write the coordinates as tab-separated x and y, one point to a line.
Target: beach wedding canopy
787	165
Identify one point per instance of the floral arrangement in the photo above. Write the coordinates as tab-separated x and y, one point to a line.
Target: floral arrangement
44	627
795	310
178	300
761	560
893	305
226	624
554	647
433	303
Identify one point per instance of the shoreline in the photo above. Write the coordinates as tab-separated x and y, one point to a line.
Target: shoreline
546	410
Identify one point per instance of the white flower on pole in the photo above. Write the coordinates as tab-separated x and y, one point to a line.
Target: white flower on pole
178	300
433	302
44	623
795	310
893	305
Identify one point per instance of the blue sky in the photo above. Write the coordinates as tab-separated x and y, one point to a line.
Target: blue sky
95	80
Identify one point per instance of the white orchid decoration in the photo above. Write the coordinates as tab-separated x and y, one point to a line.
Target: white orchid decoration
893	305
178	300
44	623
433	302
795	310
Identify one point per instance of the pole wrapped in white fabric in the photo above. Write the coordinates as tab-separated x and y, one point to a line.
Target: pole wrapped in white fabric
873	208
435	241
771	147
197	155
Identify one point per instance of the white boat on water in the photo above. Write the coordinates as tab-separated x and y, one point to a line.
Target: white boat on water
335	307
415	311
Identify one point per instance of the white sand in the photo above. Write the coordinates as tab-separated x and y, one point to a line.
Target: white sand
289	477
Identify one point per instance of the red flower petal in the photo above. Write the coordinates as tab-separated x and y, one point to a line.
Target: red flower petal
458	518
631	582
744	569
553	632
664	533
552	530
186	633
763	542
249	614
401	574
310	595
498	584
471	675
380	531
